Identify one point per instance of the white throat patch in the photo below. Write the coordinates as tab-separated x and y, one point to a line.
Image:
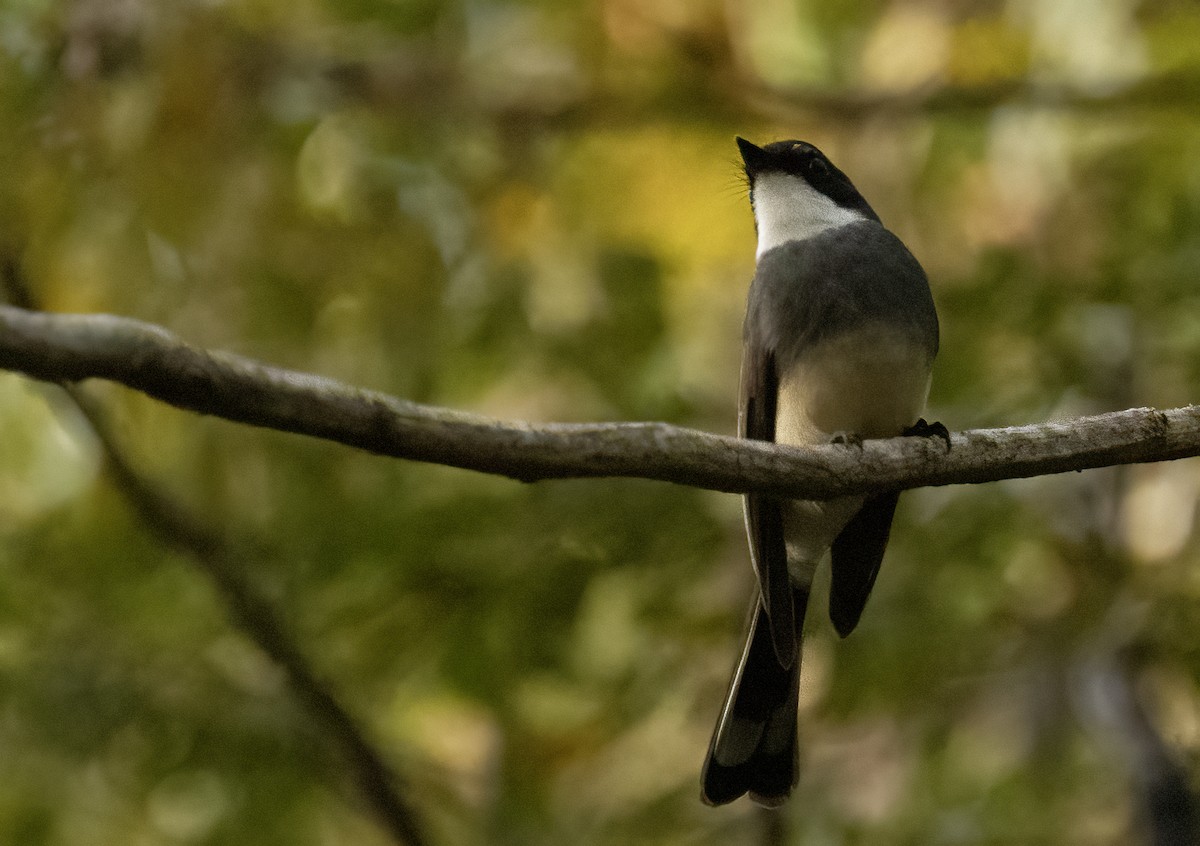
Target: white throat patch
786	208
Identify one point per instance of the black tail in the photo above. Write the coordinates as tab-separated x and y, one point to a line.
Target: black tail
754	749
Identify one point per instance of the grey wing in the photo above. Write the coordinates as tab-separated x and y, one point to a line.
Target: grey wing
764	515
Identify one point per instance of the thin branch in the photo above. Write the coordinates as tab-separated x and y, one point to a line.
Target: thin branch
1164	91
249	611
148	358
254	616
428	84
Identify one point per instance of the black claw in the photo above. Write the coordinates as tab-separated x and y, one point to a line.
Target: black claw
921	429
847	439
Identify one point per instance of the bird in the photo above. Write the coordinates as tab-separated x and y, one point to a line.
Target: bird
839	341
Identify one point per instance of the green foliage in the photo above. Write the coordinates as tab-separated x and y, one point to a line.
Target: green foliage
532	210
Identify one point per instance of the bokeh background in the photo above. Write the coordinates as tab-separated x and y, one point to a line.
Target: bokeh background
533	210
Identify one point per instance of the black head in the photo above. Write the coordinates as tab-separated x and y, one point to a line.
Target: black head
803	160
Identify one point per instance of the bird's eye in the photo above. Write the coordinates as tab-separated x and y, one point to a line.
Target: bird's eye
817	167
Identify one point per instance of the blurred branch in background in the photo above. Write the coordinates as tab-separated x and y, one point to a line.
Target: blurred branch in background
254	616
410	85
427	84
1167	91
248	609
148	358
1112	704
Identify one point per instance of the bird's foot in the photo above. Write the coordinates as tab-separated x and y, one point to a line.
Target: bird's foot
922	429
850	439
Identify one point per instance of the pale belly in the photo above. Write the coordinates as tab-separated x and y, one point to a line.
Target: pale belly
872	383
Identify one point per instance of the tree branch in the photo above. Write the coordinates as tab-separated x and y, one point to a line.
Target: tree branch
148	358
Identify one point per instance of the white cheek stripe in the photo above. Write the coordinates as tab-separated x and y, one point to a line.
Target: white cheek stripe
786	208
